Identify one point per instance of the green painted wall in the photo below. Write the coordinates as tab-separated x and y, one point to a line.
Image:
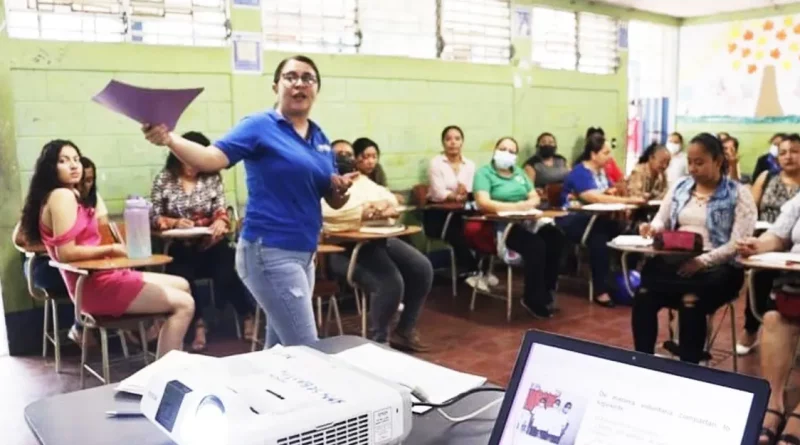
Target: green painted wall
401	103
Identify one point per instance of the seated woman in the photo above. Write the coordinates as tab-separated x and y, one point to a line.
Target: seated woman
677	165
587	182
781	324
450	177
770	192
546	166
502	186
390	271
707	202
368	156
612	170
648	179
56	215
182	197
731	147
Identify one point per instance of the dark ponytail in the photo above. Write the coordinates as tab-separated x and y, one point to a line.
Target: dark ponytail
650	151
594	144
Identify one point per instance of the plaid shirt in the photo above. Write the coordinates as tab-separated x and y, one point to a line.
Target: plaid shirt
204	205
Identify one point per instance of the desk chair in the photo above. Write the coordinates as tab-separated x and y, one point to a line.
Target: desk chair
419	195
727	309
509	275
40	295
115	233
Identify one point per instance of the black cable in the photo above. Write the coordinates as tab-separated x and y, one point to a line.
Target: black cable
458	397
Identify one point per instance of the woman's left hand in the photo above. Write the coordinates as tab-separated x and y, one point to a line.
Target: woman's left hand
219	228
690	267
341	183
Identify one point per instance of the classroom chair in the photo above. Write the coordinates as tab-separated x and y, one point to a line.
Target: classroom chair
419	195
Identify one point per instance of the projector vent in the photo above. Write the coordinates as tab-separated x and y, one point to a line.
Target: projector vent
354	431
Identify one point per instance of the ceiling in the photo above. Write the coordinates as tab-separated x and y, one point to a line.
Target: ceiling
696	8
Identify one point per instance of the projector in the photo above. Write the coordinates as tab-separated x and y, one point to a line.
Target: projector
287	396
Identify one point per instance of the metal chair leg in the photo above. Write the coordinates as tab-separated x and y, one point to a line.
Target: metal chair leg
104	351
453	271
56	336
45	334
123	342
475	288
335	302
509	291
256	321
84	353
319	313
732	316
363	297
143	339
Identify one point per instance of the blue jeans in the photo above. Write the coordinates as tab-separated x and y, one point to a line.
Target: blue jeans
282	282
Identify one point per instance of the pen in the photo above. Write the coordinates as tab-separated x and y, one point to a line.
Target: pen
124	414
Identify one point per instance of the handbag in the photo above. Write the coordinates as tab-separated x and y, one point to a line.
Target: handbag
788	305
678	240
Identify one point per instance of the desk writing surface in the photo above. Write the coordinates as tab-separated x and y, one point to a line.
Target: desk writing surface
354	235
756	264
122	263
78	418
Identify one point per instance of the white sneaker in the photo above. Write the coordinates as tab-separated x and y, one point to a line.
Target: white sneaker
745	350
492	280
479	282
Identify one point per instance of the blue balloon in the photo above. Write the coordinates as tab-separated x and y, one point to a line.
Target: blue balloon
620	293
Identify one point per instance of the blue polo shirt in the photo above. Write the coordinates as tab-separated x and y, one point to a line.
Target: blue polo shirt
580	180
287	176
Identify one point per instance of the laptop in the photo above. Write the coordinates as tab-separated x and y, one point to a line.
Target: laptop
572	392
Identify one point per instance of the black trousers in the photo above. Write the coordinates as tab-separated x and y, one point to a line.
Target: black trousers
217	263
434	223
541	253
762	282
662	287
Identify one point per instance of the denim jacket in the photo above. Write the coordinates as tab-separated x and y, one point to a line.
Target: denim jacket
721	208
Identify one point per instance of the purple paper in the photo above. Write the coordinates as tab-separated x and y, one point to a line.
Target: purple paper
147	105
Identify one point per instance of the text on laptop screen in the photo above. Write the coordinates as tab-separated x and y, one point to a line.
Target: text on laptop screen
567	398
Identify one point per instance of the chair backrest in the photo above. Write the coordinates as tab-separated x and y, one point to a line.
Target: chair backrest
14	239
552	193
419	194
112	233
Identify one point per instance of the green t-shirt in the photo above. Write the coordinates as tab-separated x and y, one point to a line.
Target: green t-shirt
512	189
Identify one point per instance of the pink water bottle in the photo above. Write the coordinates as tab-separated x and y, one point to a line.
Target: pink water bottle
137	227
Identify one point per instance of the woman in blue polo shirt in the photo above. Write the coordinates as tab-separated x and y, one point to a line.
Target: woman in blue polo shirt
290	168
587	182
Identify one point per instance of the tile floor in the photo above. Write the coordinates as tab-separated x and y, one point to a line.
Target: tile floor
479	342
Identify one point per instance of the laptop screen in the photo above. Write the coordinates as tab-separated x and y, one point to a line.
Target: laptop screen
567	397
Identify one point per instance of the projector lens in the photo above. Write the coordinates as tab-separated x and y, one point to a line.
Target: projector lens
210	422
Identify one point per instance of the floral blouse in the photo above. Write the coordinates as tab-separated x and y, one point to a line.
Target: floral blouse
204	205
643	183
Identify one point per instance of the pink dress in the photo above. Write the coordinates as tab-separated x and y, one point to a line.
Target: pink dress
104	293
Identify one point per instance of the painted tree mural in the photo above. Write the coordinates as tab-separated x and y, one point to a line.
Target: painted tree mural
759	48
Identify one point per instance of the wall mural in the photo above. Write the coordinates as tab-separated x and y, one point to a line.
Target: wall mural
744	72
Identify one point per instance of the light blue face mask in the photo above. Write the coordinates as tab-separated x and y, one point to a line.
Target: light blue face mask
504	159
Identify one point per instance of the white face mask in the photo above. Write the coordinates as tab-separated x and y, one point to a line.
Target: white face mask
773	150
673	147
504	159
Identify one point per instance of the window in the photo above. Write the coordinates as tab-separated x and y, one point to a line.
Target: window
179	22
81	20
597	43
398	28
574	41
475	30
322	26
166	22
554	38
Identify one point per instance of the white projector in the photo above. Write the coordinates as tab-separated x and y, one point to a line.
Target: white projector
287	396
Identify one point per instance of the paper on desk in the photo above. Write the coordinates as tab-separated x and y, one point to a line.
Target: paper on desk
147	105
777	257
531	212
187	233
763	225
654	202
632	241
386	230
437	382
607	207
172	361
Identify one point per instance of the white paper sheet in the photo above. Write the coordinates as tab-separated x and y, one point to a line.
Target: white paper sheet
438	383
780	258
531	212
763	225
382	230
632	241
172	361
191	232
607	207
654	202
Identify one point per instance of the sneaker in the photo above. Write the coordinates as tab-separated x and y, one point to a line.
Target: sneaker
742	349
408	342
77	336
492	280
479	282
537	311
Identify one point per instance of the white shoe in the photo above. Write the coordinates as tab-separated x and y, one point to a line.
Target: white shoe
745	350
479	282
492	280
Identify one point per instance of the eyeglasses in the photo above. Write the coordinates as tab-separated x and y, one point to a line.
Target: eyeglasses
293	78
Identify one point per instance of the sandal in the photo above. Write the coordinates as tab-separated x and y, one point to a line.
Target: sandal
769	433
791	439
199	344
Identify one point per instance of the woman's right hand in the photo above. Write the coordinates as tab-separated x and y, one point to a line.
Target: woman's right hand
747	247
118	251
646	230
157	134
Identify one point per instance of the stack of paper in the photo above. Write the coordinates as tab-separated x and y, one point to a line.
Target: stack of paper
386	230
607	207
436	382
779	258
632	241
763	225
190	232
531	212
654	202
173	361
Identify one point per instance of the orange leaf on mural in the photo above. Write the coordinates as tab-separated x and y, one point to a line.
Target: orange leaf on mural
748	35
796	29
751	69
768	25
732	47
775	53
745	52
781	35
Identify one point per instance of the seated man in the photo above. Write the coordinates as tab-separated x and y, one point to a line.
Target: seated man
389	270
